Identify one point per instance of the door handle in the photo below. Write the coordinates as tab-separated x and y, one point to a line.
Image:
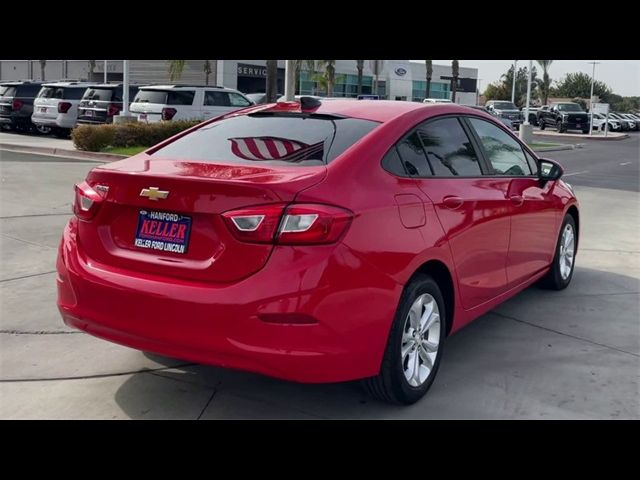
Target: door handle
517	200
452	202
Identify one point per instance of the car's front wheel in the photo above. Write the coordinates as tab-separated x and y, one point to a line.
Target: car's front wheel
561	271
542	125
560	127
414	346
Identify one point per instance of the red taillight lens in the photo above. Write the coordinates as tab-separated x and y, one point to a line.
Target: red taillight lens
113	110
63	107
16	105
87	201
255	224
168	113
297	224
307	224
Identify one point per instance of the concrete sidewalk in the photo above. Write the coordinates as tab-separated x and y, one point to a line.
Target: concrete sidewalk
596	135
45	145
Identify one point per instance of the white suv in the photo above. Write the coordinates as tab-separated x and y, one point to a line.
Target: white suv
56	106
183	102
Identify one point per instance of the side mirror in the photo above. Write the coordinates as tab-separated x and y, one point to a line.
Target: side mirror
549	170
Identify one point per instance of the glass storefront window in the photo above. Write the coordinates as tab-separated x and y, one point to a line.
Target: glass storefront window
346	85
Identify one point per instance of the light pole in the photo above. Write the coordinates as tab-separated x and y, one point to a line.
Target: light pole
289	80
478	91
513	86
526	129
105	71
593	76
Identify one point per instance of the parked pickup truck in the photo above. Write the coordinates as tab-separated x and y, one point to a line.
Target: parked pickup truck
564	116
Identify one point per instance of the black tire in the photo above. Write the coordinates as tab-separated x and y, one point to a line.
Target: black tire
553	279
585	130
560	127
61	132
541	123
391	385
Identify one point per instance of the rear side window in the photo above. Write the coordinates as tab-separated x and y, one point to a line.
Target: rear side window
392	163
270	139
73	93
504	153
51	92
184	97
7	91
448	148
98	94
151	96
412	156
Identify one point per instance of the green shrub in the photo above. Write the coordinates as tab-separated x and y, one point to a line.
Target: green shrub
94	138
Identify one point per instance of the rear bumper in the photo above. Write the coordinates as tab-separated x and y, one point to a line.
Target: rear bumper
346	308
62	121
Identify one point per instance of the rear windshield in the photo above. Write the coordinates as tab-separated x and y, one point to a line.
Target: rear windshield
7	91
66	93
181	97
98	94
569	107
270	139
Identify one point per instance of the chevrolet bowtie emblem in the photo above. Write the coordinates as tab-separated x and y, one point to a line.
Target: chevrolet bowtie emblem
154	193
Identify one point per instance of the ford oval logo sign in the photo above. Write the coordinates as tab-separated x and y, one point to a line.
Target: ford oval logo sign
401	72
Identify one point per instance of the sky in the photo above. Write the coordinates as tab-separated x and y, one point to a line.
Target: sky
623	76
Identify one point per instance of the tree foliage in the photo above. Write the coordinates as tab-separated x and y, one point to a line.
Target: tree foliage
501	90
579	85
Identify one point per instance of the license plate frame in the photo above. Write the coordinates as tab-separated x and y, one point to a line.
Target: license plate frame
163	231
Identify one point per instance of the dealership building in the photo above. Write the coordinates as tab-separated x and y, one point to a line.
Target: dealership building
397	79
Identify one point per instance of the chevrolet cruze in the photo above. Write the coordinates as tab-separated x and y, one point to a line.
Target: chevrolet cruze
316	241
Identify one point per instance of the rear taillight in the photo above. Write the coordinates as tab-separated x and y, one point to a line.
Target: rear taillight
296	224
168	113
112	110
16	105
87	201
63	107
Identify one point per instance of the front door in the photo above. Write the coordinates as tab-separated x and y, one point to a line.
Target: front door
533	217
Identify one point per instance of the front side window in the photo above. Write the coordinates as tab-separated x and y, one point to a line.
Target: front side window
504	153
449	150
270	139
237	100
216	99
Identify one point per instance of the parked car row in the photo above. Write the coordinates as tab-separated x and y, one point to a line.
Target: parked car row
57	107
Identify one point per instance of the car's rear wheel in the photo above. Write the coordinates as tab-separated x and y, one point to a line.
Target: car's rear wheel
414	346
61	132
561	272
585	130
542	125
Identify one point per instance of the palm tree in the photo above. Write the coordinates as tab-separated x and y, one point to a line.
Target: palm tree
299	65
455	73
43	63
176	67
92	67
545	84
272	81
429	63
360	65
329	74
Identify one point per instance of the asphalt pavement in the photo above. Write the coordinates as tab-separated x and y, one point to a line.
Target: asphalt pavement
573	354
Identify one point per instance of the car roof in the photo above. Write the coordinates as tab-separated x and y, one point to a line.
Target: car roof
374	110
114	85
16	83
181	86
69	84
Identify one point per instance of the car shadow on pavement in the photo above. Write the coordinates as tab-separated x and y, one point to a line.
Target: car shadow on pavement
542	354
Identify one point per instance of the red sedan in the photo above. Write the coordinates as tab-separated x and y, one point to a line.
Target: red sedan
316	241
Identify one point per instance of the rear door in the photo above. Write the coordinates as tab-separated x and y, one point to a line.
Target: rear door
533	215
472	209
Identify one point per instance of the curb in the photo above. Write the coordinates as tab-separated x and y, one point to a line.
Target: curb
63	152
542	133
557	148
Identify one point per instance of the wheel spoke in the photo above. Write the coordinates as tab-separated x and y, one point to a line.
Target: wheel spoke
406	348
433	319
428	310
431	347
415	313
426	359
